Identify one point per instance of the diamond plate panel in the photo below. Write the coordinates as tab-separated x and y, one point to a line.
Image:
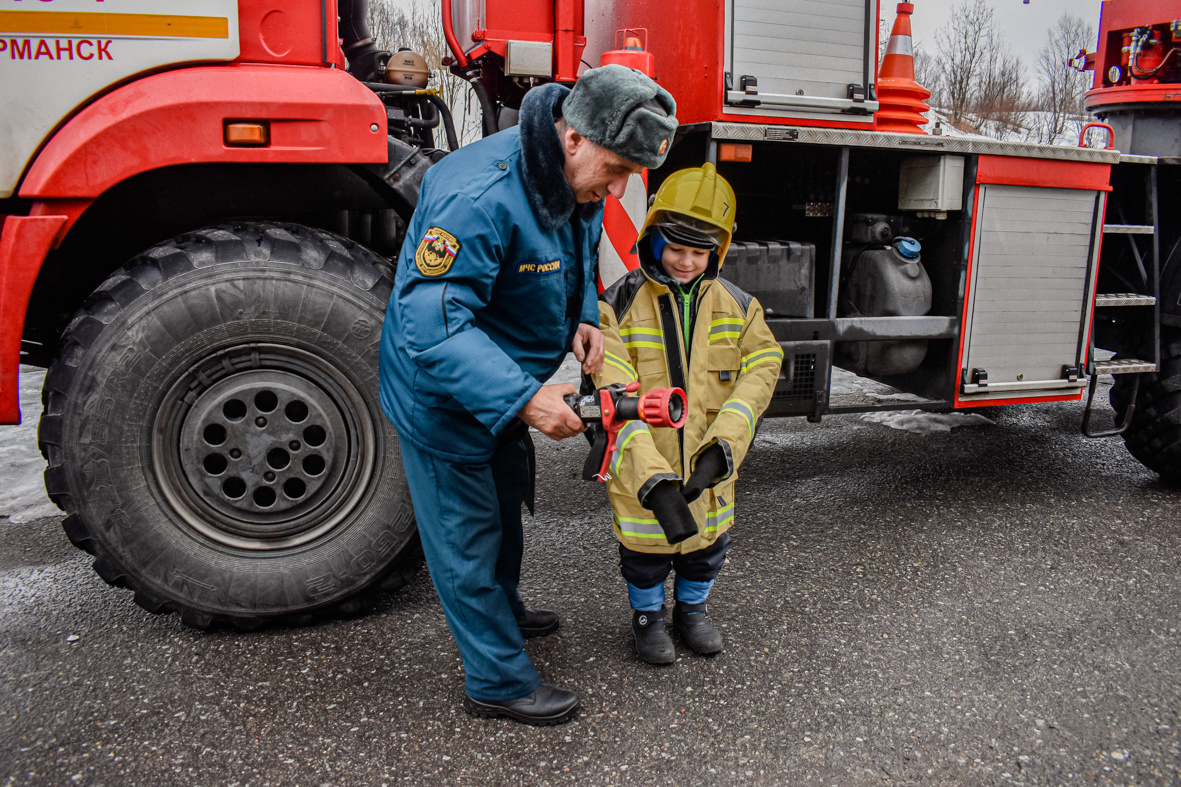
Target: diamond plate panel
756	132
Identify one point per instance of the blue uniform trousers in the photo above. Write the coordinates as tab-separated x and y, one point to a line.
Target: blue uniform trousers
469	518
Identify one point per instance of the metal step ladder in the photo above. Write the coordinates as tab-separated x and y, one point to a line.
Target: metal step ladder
1116	365
1117	300
1147	263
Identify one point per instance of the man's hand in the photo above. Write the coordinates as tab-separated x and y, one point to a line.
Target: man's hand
588	348
549	414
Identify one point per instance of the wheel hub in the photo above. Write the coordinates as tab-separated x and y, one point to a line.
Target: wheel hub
266	455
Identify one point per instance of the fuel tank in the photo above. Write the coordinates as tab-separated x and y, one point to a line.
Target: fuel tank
884	281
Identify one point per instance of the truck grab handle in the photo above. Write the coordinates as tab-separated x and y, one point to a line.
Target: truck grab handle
449	34
1082	136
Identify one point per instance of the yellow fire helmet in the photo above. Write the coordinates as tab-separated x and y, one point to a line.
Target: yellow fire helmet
694	207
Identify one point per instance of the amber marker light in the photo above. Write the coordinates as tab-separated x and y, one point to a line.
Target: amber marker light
735	151
247	135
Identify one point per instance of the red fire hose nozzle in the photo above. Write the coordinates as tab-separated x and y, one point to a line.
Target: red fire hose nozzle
663	407
608	410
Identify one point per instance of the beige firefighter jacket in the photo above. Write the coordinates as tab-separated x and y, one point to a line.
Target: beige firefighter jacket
728	375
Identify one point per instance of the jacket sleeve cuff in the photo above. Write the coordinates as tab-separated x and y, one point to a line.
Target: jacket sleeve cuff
651	483
725	450
516	407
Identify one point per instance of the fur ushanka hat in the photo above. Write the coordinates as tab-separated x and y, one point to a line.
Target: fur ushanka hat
623	111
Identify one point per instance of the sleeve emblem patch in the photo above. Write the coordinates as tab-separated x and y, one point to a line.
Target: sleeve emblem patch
436	252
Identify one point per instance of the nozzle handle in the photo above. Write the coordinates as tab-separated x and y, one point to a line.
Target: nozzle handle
595	466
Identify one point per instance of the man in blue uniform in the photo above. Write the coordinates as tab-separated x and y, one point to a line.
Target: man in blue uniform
495	284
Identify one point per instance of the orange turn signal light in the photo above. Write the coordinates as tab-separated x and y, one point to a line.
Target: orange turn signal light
735	151
247	135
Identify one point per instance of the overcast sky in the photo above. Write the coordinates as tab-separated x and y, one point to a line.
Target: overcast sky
1024	26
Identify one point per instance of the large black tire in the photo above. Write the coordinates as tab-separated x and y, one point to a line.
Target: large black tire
213	430
1154	436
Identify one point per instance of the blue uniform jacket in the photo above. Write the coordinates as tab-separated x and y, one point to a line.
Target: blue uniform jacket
496	273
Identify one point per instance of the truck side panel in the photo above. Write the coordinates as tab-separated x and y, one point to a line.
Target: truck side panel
314	115
695	47
295	32
55	56
1030	280
24	242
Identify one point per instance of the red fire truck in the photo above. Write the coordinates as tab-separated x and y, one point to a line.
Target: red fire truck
200	209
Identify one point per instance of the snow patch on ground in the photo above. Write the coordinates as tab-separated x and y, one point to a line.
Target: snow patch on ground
846	383
1031	126
920	422
916	421
21	464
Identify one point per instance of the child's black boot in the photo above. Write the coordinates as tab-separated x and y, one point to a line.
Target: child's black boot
694	628
653	644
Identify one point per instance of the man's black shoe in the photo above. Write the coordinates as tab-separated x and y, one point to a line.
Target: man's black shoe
538	623
694	627
547	706
653	644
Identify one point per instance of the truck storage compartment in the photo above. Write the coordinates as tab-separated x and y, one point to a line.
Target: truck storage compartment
1032	274
801	56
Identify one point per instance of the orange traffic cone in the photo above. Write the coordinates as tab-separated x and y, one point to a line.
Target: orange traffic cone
902	100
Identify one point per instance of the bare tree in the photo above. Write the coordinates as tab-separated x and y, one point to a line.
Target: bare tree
974	76
1060	94
1001	97
963	45
926	73
421	29
387	24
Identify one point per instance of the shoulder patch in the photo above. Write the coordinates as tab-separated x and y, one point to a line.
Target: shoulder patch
436	252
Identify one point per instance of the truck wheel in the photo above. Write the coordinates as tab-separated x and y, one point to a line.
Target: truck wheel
1154	436
213	430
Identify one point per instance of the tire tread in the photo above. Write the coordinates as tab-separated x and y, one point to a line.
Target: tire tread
1154	435
278	242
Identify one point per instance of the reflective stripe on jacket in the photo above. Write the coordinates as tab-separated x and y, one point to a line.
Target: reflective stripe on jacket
729	374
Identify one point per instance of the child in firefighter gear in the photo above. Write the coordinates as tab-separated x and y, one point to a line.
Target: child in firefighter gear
674	322
494	285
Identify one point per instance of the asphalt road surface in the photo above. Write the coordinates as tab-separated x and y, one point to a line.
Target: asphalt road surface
995	604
